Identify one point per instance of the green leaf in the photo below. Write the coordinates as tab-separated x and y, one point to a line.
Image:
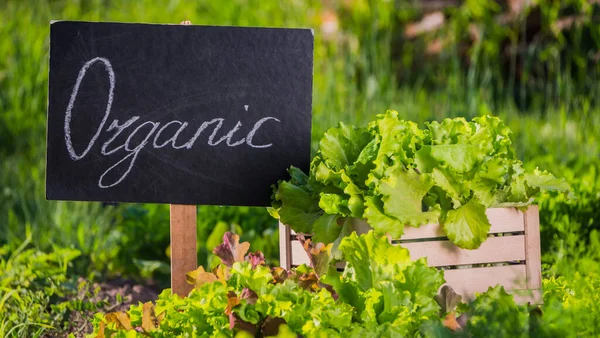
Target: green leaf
403	193
347	290
452	183
467	226
371	259
334	204
545	180
398	141
299	208
342	146
379	220
326	229
461	158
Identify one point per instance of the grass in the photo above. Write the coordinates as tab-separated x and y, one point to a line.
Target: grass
547	95
355	78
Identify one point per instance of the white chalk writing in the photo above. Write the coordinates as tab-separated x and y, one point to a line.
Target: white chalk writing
150	133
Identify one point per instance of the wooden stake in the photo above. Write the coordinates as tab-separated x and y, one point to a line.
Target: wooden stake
183	247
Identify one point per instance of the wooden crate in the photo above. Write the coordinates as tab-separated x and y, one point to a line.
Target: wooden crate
514	254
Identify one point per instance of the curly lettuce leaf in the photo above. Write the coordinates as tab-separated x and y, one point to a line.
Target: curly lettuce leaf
398	142
403	192
371	258
467	226
326	229
341	146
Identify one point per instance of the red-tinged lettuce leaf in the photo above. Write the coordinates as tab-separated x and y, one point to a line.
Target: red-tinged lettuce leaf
403	192
318	253
149	320
232	301
238	324
448	299
467	226
231	250
279	274
249	296
256	258
200	276
272	326
119	319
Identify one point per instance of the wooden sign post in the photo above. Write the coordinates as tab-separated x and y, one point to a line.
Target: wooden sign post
177	114
183	247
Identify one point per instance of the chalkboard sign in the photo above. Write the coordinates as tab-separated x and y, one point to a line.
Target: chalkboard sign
176	114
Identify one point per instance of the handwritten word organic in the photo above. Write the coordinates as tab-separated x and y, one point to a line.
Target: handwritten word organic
152	134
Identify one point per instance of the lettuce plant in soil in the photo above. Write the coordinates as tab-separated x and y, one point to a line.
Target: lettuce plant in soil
392	174
379	293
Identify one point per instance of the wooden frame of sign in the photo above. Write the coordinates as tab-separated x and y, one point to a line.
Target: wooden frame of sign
510	256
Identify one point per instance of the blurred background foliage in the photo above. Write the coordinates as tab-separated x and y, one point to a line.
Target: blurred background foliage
533	63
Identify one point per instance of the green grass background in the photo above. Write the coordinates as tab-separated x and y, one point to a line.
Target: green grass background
545	88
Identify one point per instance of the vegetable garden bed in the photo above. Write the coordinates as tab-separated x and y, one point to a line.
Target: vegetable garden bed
509	257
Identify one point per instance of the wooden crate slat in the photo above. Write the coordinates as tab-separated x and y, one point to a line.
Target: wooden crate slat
532	248
298	254
285	259
469	281
501	219
493	250
444	253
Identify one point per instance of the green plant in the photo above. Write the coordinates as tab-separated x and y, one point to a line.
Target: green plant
394	174
37	296
381	291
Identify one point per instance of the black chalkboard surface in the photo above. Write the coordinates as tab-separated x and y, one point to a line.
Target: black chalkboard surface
176	114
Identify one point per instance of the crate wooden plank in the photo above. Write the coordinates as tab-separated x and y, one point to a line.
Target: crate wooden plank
502	220
493	250
444	253
521	296
298	254
285	259
532	248
469	281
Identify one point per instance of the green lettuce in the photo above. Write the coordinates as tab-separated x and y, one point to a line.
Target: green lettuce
394	174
